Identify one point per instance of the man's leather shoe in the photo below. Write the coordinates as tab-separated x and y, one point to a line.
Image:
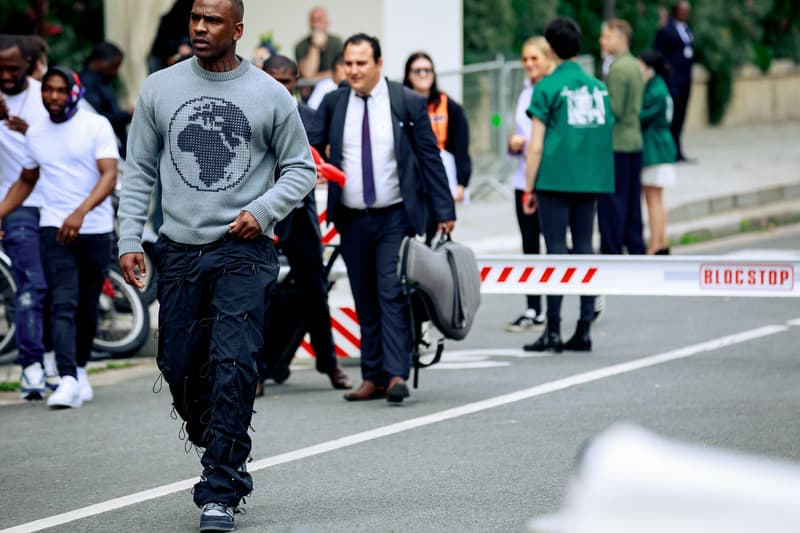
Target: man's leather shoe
339	379
367	391
397	390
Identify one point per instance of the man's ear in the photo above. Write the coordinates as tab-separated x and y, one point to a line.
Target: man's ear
238	30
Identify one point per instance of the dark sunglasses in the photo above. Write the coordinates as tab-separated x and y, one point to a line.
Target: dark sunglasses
421	71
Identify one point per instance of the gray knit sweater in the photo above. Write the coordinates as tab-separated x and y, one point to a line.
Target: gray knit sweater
214	140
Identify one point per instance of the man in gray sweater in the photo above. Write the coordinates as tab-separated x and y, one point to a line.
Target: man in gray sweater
212	130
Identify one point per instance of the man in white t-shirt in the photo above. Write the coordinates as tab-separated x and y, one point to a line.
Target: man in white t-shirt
20	107
73	155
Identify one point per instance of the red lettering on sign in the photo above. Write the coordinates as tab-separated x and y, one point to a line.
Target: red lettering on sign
778	277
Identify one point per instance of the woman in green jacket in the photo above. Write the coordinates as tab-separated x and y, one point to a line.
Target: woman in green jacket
658	149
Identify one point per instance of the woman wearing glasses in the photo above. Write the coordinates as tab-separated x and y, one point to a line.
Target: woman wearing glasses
447	119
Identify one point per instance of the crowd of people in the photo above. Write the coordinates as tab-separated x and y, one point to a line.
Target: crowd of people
634	107
221	145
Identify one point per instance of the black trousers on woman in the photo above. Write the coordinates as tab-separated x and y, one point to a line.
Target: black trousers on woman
557	212
529	228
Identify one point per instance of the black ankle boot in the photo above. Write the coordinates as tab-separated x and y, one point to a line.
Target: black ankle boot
550	339
580	340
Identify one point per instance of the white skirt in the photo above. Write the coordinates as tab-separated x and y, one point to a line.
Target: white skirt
663	175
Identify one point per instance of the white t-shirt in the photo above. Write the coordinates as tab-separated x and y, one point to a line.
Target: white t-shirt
522	126
67	155
28	106
323	87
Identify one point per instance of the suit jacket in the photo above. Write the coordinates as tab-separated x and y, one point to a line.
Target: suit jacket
669	43
423	182
283	228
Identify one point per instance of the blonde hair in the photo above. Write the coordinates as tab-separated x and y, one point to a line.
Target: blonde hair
541	44
622	26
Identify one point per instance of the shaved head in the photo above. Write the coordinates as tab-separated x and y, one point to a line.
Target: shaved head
238	9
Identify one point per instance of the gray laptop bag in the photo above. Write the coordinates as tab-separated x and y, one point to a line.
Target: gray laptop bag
443	283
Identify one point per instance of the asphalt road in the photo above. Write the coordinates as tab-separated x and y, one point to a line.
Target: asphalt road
487	467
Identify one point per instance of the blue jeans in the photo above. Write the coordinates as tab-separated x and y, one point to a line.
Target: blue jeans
75	273
21	241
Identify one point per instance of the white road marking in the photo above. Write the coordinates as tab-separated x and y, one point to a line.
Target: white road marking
407	425
466	365
794	322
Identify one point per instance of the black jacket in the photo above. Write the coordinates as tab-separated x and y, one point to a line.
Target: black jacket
669	43
458	141
423	183
283	229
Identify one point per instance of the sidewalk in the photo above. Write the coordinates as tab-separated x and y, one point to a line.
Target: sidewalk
741	173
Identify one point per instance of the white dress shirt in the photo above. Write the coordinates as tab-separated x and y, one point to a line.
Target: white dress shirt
384	164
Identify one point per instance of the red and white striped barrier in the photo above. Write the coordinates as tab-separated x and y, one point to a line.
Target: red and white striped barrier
639	275
346	334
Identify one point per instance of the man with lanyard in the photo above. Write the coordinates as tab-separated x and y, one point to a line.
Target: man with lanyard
20	107
676	43
74	153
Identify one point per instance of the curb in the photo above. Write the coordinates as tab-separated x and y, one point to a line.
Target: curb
726	203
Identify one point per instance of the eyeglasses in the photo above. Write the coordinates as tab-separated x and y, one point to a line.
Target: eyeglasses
421	71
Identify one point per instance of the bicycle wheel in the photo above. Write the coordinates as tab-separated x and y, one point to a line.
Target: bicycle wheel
123	320
8	291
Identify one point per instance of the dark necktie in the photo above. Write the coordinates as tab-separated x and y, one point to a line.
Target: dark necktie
367	173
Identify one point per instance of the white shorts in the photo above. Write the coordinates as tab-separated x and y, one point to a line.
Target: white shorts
663	175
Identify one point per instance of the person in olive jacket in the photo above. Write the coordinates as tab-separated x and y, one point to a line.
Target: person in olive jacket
659	152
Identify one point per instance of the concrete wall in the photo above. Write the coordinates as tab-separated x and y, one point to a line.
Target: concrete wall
757	98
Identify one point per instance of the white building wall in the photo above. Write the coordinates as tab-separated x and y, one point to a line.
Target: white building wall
288	21
431	26
403	26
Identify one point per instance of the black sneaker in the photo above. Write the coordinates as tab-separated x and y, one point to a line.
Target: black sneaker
525	323
217	517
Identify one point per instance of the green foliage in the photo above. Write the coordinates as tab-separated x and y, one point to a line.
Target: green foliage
72	26
487	29
728	33
531	17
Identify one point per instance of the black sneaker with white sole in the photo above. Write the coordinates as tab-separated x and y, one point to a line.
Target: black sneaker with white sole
217	517
525	323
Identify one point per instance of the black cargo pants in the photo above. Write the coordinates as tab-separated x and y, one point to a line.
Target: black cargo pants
211	313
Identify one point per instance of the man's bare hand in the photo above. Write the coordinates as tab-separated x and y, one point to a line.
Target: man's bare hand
70	229
245	226
447	226
128	264
17	124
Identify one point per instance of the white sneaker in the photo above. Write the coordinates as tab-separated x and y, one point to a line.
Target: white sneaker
87	394
31	382
599	306
51	376
67	394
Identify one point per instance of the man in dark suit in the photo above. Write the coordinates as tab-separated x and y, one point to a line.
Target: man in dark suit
299	238
380	135
676	43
